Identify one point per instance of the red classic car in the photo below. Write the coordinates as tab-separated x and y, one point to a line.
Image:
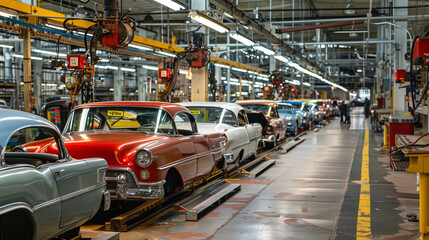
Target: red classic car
151	148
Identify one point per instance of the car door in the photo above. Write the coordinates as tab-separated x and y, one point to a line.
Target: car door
185	144
251	131
243	134
74	180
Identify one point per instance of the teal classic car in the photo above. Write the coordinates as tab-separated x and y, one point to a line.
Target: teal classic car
44	195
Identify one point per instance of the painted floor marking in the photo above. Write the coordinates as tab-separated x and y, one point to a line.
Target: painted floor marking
363	230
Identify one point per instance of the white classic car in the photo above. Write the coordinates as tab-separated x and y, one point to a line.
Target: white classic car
229	118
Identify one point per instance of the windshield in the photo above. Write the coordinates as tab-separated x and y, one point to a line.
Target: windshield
285	109
206	114
143	119
296	106
257	107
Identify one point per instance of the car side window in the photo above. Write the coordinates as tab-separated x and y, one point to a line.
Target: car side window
26	140
241	119
165	124
229	118
183	124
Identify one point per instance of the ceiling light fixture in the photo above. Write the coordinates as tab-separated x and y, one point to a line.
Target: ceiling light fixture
263	49
171	4
167	54
281	58
21	56
221	65
349	9
7	13
150	67
208	21
139	47
239	69
55	27
49	53
241	38
6	46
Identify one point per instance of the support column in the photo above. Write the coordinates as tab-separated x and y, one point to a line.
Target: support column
118	80
399	59
200	85
27	69
218	76
228	72
141	83
38	84
302	85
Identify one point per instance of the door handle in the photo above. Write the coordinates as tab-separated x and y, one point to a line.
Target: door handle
57	173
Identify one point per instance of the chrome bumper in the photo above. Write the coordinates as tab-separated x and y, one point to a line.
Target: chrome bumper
122	183
106	200
270	138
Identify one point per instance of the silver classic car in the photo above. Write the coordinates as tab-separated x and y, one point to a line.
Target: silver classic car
229	118
44	195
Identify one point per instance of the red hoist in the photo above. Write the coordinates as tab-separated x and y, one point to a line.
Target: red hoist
113	30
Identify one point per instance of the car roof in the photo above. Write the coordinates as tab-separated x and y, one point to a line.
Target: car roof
12	120
173	108
265	102
285	104
291	101
230	106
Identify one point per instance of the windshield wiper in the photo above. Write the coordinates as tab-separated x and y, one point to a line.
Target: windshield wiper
119	119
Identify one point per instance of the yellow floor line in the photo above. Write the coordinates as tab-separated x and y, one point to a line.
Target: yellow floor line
363	230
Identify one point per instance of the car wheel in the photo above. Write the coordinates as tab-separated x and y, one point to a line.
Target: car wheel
295	131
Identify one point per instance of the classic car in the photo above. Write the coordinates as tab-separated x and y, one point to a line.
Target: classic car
316	114
43	195
228	118
274	126
152	148
302	109
293	119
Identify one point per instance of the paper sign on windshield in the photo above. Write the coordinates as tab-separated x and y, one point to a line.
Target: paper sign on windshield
195	112
114	113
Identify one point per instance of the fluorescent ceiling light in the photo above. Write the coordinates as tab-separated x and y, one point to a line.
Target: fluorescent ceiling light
263	49
139	47
21	56
48	52
281	58
150	67
167	54
209	22
227	15
55	27
128	69
306	84
183	72
238	69
241	38
104	60
171	4
221	65
7	13
6	46
351	31
112	67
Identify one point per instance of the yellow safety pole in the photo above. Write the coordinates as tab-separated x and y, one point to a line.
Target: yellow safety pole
424	205
386	144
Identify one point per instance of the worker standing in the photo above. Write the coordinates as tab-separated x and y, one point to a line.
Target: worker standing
343	111
366	107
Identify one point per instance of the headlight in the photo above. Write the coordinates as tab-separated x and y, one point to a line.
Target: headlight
269	128
144	158
144	175
289	122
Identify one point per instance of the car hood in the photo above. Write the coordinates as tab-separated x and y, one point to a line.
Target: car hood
207	128
114	146
289	116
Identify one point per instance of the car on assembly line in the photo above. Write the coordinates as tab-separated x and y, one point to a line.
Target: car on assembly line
228	118
316	114
302	109
152	148
293	119
266	113
43	195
